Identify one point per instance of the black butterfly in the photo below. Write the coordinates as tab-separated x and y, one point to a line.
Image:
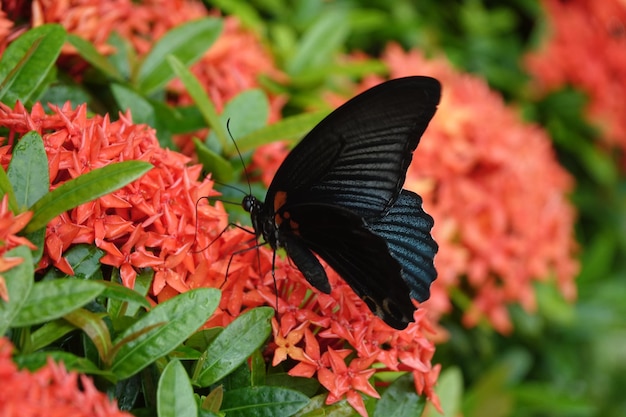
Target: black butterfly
339	195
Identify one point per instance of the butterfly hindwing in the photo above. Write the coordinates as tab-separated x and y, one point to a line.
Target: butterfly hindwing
358	255
358	155
406	229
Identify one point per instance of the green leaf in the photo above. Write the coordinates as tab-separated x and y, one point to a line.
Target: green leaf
174	393
307	386
173	321
214	163
124	55
7	188
263	401
139	106
213	401
28	170
187	42
449	388
19	281
36	360
48	333
85	262
320	42
248	111
94	327
27	62
234	345
90	54
290	128
85	188
202	100
51	299
400	399
120	292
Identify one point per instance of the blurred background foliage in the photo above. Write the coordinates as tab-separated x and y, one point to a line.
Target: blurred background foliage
564	360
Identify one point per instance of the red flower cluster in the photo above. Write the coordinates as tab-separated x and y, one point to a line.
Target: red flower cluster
50	391
151	223
497	193
585	48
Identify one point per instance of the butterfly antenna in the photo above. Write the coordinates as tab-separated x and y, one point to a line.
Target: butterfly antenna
258	255
232	187
243	164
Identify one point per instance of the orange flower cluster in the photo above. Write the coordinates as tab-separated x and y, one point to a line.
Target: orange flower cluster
152	223
585	48
50	391
497	194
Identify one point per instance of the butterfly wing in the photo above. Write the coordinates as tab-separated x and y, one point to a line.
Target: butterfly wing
357	157
358	255
406	229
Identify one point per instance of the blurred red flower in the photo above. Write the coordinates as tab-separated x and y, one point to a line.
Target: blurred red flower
223	73
496	192
585	48
49	391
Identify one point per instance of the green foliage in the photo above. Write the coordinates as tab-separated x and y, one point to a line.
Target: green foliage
563	360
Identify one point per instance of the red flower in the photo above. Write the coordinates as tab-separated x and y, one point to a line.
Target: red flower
345	380
585	48
50	391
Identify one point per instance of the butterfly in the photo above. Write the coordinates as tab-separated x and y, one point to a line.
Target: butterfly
338	196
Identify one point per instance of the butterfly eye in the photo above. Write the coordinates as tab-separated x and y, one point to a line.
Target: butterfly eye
248	203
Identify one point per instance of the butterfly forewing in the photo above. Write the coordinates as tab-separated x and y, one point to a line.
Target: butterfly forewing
358	155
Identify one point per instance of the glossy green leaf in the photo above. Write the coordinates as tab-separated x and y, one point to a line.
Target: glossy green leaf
320	42
37	238
94	326
400	399
187	42
220	168
248	111
7	188
27	62
173	321
85	262
449	389
123	56
139	106
263	401
49	332
28	170
120	292
202	100
51	299
290	128
36	360
85	188
90	54
234	345
174	393
213	401
19	281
